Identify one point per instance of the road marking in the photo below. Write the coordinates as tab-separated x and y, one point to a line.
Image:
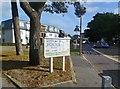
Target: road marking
95	68
114	59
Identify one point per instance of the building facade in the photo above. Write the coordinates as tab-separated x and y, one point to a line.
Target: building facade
7	32
49	31
7	35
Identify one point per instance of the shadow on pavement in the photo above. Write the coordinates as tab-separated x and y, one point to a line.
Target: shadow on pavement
115	75
8	65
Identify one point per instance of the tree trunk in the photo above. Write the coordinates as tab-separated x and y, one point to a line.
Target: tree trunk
34	40
15	17
34	15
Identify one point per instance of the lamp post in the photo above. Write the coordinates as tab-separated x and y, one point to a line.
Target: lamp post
80	35
80	10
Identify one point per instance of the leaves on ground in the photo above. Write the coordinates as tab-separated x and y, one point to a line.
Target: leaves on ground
34	76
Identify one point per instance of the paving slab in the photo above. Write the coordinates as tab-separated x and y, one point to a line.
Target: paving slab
6	83
85	74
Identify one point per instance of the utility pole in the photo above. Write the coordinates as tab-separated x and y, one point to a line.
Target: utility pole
80	35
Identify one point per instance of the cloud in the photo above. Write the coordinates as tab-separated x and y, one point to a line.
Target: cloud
6	10
92	9
65	23
116	11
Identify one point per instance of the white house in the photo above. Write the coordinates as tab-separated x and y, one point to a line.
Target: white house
7	35
8	31
50	31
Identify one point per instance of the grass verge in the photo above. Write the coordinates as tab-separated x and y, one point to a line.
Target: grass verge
34	76
74	51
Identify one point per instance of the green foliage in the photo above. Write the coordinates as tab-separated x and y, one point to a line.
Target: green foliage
37	5
61	7
61	75
103	25
79	9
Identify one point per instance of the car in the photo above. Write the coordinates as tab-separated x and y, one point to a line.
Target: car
104	45
100	45
97	45
83	42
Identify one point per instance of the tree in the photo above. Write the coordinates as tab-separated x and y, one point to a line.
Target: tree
34	10
79	11
17	36
103	25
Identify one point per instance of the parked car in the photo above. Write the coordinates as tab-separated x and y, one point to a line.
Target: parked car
104	45
100	45
97	45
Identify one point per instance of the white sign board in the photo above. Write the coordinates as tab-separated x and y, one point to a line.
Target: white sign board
55	47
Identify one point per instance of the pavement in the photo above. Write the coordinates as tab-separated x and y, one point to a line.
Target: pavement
6	83
85	74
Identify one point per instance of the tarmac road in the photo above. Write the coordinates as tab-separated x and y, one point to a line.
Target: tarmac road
103	65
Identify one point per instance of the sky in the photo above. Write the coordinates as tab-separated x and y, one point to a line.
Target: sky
69	21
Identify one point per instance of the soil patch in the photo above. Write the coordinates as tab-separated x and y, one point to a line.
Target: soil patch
35	76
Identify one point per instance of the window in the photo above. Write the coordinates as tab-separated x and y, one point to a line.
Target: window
50	34
3	32
21	40
26	38
21	24
3	24
55	35
43	35
3	40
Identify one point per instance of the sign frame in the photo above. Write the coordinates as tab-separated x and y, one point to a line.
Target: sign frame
56	47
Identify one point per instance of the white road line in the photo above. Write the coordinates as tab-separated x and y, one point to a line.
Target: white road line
95	68
114	59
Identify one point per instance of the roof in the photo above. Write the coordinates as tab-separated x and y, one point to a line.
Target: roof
8	24
49	29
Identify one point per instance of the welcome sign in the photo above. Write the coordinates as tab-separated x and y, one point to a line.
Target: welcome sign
55	47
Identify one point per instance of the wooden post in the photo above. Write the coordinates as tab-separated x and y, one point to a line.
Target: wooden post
51	64
63	63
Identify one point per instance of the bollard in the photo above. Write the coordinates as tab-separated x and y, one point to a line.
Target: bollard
106	82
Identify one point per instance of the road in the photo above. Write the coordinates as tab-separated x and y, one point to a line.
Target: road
103	65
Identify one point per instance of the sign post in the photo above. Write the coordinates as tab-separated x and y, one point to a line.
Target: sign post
56	47
51	64
63	63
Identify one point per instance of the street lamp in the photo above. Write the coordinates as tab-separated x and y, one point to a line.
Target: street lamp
76	28
80	35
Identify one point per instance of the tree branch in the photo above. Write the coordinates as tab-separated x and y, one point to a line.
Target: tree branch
26	7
